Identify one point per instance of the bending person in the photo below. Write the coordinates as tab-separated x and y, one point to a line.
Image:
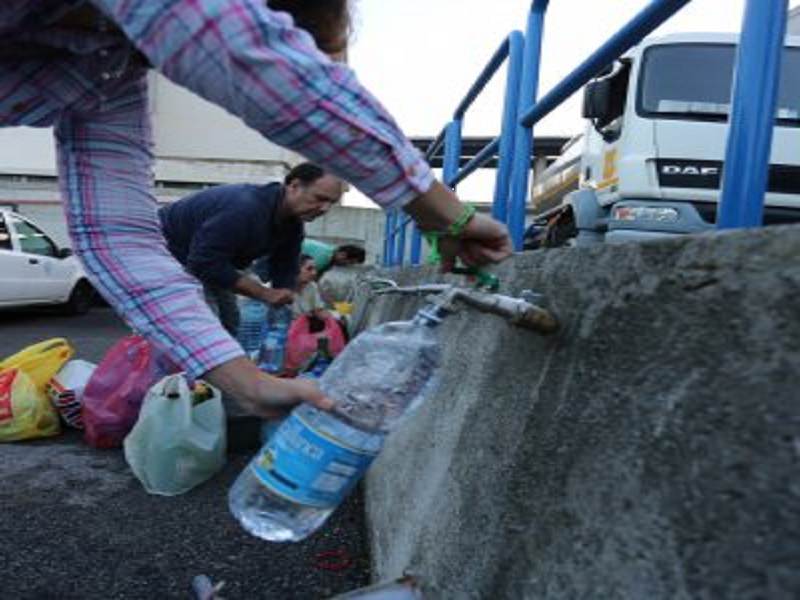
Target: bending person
81	67
220	231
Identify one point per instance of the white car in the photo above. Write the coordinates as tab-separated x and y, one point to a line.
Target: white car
35	271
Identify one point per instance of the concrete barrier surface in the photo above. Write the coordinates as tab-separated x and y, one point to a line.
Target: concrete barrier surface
649	450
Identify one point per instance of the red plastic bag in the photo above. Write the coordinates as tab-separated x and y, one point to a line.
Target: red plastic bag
301	341
115	392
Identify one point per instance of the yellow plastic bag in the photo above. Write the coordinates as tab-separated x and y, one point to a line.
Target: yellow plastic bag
25	412
40	361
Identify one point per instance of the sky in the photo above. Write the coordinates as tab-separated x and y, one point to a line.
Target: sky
419	57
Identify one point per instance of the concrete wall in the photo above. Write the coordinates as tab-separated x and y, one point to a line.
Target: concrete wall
649	450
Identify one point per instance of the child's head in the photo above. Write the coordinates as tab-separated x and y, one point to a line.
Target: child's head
308	270
349	254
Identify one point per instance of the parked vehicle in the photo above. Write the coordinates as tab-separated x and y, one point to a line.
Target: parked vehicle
650	161
35	271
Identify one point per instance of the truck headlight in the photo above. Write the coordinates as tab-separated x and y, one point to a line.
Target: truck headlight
653	214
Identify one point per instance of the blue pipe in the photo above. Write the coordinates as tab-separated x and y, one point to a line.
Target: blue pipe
488	71
416	245
631	34
523	137
400	250
452	152
388	239
488	152
435	145
755	99
508	126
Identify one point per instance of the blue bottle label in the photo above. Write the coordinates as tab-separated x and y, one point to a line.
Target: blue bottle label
304	466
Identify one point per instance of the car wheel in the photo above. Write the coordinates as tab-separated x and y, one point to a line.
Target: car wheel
81	298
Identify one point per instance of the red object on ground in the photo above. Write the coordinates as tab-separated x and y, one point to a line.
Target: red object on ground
115	392
301	342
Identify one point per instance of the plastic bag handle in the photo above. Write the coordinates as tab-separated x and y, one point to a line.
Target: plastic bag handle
172	387
40	348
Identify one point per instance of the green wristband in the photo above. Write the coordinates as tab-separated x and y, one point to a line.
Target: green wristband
457	227
454	230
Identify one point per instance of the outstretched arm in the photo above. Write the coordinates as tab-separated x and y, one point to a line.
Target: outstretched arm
253	62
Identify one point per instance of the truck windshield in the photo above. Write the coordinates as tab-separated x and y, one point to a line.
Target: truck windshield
694	81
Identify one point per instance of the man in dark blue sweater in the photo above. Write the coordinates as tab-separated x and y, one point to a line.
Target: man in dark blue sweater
219	232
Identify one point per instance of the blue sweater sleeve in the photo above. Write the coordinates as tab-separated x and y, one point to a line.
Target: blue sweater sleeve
284	263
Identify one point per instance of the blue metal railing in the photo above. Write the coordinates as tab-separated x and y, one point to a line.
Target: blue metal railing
451	136
755	99
749	140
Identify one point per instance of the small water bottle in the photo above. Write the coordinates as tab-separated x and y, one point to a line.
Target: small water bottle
315	458
317	365
273	346
252	326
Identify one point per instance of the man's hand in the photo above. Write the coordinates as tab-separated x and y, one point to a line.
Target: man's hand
261	394
482	242
277	296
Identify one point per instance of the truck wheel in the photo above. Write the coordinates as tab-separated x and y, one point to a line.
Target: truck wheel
81	298
561	230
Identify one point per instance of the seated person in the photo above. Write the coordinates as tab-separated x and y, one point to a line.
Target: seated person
307	299
326	256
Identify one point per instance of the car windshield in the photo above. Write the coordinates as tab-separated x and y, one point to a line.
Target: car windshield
694	81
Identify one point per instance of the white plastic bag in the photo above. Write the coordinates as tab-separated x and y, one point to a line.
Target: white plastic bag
65	390
177	442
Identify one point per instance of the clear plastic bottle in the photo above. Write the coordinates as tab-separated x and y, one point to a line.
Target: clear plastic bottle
252	325
315	458
273	345
320	361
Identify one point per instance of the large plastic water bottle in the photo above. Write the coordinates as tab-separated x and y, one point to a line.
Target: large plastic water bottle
252	325
273	345
315	458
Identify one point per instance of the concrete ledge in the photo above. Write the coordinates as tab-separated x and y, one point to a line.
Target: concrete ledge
650	450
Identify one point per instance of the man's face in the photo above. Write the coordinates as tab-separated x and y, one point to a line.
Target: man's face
309	202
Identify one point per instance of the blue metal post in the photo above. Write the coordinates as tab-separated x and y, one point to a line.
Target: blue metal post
486	154
416	244
647	20
508	128
400	250
452	152
388	240
523	142
755	98
416	236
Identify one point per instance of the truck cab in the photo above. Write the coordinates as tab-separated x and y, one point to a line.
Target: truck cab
653	148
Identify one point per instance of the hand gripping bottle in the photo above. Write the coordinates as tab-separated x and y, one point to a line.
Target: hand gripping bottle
315	458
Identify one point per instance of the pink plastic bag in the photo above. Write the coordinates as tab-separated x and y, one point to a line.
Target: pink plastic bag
115	392
301	342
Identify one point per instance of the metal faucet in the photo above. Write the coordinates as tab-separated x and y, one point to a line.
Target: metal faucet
519	311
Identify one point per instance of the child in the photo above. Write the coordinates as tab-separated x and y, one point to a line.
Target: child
307	299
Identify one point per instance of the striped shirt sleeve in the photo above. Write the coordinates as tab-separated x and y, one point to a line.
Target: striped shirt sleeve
257	65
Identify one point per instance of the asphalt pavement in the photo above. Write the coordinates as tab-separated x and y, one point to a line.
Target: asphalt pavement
77	525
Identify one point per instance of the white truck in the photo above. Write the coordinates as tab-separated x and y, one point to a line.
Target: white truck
649	163
35	271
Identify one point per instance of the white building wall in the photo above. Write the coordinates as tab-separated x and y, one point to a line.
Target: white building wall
794	21
196	144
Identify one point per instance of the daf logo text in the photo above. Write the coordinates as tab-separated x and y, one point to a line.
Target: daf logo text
690	170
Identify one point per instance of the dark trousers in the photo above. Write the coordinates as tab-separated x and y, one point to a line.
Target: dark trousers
223	303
